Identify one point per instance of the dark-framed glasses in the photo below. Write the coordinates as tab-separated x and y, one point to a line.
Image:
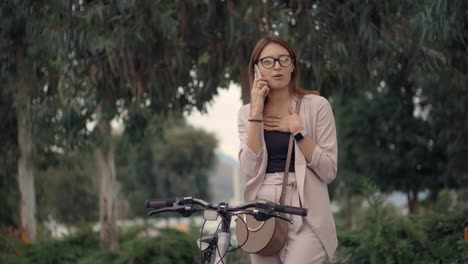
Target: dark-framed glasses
269	62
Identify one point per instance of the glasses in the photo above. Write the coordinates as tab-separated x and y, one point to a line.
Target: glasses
269	62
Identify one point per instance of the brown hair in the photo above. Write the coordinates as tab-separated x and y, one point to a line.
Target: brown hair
294	86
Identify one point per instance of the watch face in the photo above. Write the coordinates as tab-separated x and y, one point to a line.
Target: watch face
298	136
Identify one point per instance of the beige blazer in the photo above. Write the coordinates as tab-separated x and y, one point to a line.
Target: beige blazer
312	178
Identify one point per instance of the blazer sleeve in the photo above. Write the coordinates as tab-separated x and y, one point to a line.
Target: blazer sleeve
325	156
249	161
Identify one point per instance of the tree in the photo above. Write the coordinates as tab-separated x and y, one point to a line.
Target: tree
184	158
24	50
175	165
66	187
132	60
398	146
8	162
446	95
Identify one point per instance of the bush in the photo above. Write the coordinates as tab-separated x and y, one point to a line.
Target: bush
171	246
446	235
11	240
394	240
99	257
69	250
386	238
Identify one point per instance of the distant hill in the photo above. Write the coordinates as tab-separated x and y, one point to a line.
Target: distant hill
221	178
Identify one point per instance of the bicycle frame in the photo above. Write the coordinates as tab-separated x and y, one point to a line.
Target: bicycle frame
222	236
217	253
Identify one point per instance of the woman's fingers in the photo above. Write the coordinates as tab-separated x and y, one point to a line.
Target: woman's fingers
268	115
261	84
273	124
260	87
264	91
271	120
258	83
273	128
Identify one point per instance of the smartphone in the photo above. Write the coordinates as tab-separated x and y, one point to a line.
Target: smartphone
257	72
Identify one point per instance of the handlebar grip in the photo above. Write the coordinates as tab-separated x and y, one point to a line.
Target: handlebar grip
291	210
160	203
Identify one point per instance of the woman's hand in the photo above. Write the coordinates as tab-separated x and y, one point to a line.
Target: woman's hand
259	91
289	123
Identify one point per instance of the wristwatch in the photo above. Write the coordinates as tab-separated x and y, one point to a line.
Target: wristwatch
300	135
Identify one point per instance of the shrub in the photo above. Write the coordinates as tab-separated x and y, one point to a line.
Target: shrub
171	246
11	240
445	235
99	257
385	238
69	250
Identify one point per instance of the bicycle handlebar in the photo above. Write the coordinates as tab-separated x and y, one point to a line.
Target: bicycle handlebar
270	206
216	250
160	203
290	210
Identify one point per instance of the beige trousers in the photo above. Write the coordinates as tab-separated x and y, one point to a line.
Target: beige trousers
303	246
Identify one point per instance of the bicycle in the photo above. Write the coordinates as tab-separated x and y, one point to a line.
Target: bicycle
214	248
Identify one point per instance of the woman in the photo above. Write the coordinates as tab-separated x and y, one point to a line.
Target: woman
264	129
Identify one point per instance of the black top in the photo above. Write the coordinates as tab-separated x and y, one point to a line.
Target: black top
277	147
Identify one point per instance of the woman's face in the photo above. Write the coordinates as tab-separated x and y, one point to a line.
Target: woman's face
278	76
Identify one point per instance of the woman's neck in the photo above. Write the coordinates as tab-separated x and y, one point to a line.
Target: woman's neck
279	99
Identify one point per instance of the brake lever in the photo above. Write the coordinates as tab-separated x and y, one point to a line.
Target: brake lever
283	217
163	210
184	210
262	214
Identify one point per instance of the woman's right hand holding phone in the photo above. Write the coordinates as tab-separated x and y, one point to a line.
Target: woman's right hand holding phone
258	94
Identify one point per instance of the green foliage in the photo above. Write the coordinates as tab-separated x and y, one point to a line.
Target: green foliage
445	234
8	163
70	250
171	247
171	159
399	92
138	56
10	242
384	237
99	257
444	203
381	237
131	233
238	257
67	190
184	157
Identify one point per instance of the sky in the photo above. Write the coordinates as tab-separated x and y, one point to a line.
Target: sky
221	120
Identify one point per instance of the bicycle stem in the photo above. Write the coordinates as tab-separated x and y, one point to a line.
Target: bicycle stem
224	235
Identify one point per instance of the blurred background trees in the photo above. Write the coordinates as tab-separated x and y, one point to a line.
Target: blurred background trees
75	72
177	164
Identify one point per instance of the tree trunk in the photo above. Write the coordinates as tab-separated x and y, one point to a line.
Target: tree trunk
244	82
349	211
107	188
25	167
413	203
25	174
